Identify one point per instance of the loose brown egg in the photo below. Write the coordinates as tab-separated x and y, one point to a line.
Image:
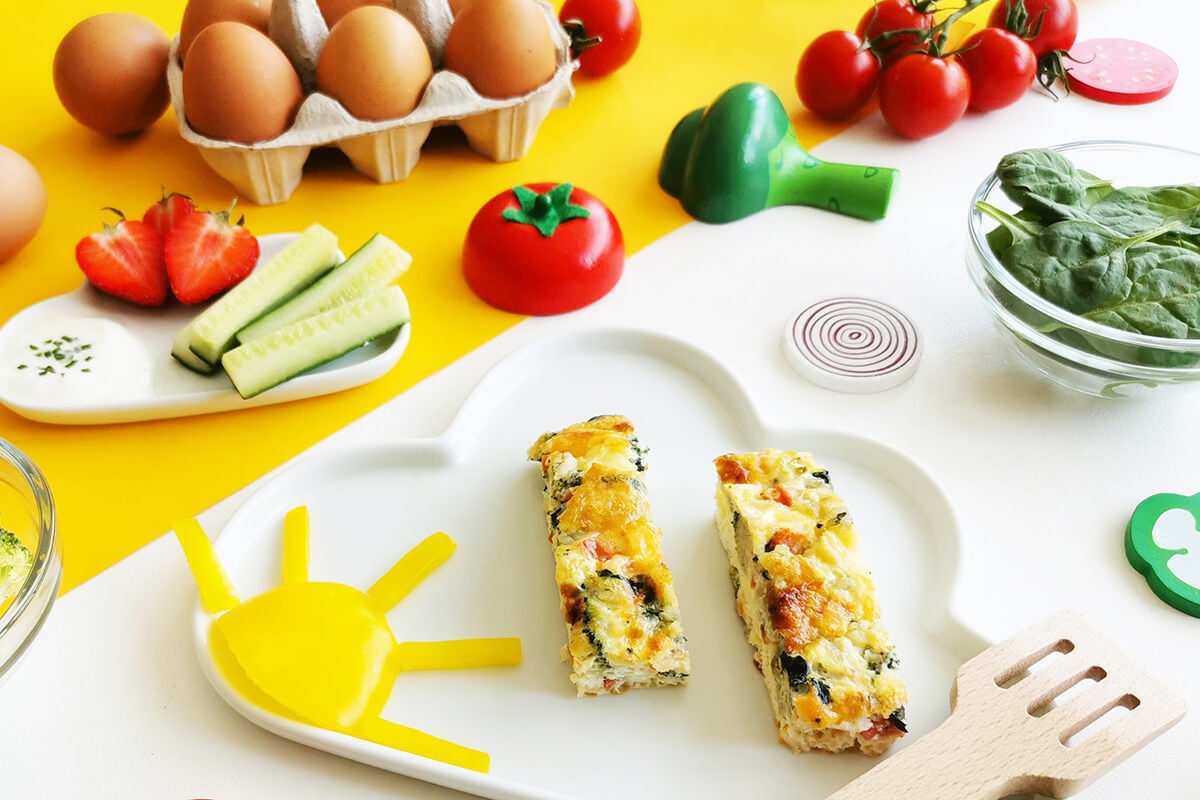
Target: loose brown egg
238	85
199	14
502	47
375	64
110	72
22	202
334	10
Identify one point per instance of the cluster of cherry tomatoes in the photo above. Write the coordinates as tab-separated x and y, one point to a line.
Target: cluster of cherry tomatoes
898	49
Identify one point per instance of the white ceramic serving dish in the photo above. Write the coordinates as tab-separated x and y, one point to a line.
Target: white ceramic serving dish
370	504
144	381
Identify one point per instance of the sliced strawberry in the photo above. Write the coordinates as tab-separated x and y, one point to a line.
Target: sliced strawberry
206	255
167	213
126	261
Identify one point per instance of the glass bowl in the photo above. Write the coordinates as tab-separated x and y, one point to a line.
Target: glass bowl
27	509
1070	350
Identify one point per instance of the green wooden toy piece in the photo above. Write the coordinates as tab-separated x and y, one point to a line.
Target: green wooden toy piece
1151	560
740	155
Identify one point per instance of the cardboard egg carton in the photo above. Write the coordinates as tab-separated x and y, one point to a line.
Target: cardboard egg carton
268	172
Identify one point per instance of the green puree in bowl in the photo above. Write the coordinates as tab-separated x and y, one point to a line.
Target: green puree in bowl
1128	258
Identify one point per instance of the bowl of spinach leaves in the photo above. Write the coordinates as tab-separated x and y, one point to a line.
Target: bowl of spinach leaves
1088	256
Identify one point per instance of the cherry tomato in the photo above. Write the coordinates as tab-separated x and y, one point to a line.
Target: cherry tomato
893	15
616	23
1055	21
1001	66
543	249
836	76
921	95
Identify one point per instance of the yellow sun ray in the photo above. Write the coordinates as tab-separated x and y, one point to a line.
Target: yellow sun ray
459	654
410	570
411	740
216	590
295	545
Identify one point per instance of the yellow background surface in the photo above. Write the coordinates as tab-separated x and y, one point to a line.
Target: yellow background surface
120	486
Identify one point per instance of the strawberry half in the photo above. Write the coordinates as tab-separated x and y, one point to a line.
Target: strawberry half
126	261
206	255
168	212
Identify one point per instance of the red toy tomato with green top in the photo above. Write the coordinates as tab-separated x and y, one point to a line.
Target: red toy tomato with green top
604	33
543	249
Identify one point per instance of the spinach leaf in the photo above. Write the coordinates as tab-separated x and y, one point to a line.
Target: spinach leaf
1012	228
1017	228
1163	297
1077	265
1097	191
1046	183
1135	210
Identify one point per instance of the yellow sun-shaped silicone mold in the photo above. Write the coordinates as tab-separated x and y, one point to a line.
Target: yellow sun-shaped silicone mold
324	653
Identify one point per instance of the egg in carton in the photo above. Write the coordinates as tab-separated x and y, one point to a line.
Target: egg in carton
268	172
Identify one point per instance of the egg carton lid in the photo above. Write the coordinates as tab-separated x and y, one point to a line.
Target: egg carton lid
299	29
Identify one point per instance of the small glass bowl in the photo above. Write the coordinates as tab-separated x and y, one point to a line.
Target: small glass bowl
1070	350
27	509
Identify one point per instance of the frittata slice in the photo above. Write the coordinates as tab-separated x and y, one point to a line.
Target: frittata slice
808	604
617	595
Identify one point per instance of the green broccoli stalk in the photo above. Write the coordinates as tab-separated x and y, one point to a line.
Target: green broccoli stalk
740	155
15	563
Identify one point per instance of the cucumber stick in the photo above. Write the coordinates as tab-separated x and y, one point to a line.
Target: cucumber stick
256	366
297	265
376	264
182	352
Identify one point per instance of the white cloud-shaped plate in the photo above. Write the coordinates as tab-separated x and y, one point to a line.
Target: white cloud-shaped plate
714	738
135	377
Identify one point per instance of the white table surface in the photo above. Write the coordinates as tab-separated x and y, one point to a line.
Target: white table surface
111	702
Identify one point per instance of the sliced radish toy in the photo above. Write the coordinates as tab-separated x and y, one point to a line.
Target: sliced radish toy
1120	71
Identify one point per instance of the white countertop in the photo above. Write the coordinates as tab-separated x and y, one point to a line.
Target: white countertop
110	702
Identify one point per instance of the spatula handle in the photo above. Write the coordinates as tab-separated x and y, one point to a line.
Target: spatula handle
947	764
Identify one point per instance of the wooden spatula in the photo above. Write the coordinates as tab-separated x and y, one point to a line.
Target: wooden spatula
1006	735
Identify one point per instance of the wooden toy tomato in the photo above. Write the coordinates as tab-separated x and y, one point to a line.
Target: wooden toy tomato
543	249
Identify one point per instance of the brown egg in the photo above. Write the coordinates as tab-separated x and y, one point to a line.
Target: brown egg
502	47
199	14
375	64
22	202
334	10
110	72
238	85
456	7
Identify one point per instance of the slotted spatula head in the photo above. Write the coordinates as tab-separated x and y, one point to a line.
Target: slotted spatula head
997	689
1007	735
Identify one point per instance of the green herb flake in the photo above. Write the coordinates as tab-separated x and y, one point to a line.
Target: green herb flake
64	351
